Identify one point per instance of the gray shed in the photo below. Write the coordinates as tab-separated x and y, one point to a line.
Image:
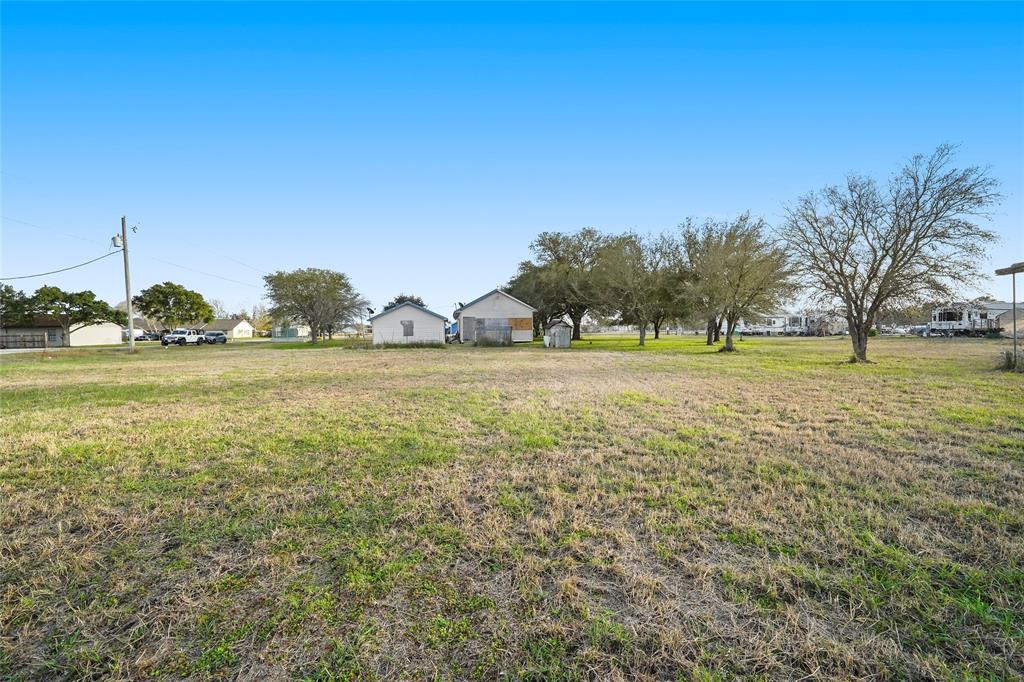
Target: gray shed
558	335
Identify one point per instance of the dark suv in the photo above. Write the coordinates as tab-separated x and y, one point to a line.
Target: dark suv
216	337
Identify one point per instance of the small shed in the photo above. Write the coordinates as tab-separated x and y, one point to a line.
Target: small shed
408	323
558	334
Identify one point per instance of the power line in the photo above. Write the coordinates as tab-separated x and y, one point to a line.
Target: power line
208	274
50	229
143	255
54	272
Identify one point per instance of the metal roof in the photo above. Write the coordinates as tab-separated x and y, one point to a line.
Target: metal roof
497	291
409	303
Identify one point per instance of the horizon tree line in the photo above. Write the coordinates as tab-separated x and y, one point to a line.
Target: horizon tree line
865	249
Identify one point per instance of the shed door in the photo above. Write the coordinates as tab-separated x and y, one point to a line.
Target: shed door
468	327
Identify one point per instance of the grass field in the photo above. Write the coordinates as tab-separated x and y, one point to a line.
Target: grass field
256	512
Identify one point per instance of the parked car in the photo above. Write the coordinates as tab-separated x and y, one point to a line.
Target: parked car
147	336
183	337
216	337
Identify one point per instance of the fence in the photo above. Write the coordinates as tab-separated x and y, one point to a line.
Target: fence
492	333
23	340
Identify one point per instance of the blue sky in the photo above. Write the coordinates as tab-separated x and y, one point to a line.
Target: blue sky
420	147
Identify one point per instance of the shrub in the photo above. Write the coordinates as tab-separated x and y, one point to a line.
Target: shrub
1010	364
487	342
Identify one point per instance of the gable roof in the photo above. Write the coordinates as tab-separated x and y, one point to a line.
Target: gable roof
409	303
497	291
224	324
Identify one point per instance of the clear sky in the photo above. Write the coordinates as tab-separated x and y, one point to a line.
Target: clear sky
420	147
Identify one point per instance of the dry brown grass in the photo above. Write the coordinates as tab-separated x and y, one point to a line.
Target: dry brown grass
257	513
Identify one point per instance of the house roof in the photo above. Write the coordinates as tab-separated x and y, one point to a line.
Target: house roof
37	322
558	323
413	305
497	291
224	324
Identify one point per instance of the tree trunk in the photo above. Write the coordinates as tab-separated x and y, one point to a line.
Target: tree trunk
718	328
577	325
643	332
65	335
730	329
711	331
859	338
314	333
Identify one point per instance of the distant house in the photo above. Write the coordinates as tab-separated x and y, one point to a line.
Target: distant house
970	318
46	332
408	323
782	323
232	328
498	316
1005	322
290	332
779	323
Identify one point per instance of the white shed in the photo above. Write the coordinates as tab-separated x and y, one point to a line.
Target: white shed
496	312
408	323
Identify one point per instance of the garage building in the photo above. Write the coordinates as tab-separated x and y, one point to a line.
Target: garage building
497	316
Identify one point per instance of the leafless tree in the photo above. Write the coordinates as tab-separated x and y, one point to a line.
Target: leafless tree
867	247
219	309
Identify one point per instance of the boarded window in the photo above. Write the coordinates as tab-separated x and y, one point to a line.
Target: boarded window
407	328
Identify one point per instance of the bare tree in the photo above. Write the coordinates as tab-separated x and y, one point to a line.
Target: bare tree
219	310
867	247
756	274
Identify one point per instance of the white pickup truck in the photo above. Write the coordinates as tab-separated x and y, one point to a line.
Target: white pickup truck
183	337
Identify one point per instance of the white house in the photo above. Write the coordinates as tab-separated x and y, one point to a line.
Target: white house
498	316
46	332
408	323
233	329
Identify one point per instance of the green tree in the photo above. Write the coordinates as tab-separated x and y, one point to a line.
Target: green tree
173	305
629	275
532	285
565	273
756	276
74	309
705	253
404	298
15	307
322	299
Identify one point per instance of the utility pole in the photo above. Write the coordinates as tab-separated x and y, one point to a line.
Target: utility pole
1013	270
127	287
